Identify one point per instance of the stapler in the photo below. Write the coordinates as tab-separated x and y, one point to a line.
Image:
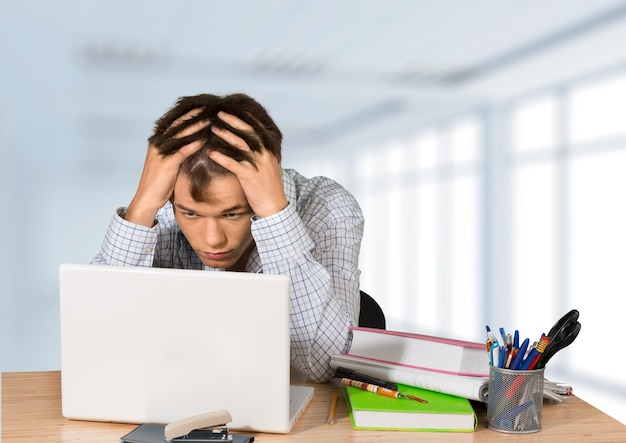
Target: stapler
208	427
200	428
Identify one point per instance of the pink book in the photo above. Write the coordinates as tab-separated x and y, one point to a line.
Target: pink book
419	351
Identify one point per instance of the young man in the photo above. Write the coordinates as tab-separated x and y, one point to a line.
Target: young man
213	195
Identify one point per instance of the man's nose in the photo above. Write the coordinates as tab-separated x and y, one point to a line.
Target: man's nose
214	235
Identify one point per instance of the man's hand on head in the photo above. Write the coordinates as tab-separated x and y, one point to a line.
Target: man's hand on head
260	179
159	175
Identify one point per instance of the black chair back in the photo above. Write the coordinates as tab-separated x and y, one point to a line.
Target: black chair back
372	315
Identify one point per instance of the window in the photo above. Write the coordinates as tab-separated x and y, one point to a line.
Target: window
567	223
421	197
597	110
533	125
534	213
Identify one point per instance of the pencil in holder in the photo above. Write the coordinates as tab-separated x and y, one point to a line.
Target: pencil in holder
515	400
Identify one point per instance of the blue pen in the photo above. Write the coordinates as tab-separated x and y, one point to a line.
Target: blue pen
531	356
515	411
502	356
519	357
516	339
505	420
503	334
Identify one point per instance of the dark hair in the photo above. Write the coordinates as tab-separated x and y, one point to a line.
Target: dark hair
199	167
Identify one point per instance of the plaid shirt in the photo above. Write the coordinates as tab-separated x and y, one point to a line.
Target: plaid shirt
315	241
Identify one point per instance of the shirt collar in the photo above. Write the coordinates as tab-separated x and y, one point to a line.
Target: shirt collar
290	187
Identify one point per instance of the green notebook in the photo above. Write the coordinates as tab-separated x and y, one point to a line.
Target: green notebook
442	413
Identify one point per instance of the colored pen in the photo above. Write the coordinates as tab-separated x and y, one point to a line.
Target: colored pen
531	356
509	342
380	390
502	357
509	357
543	343
503	335
495	355
505	419
341	372
519	357
492	337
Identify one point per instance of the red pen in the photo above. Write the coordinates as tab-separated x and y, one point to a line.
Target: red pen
543	342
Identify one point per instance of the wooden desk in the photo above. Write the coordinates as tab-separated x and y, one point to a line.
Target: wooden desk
31	412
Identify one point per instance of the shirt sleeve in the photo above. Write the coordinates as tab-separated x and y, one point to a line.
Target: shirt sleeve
320	255
127	244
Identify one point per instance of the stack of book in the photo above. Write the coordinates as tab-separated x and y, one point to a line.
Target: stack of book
447	373
450	366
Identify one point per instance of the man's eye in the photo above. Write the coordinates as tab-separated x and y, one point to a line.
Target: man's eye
189	214
231	215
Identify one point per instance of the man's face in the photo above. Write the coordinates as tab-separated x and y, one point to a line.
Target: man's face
219	231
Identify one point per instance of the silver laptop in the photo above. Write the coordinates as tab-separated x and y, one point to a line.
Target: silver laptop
148	345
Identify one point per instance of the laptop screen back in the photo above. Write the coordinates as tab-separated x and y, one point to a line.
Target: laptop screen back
148	345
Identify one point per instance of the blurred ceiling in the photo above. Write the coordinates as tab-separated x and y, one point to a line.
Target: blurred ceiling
336	72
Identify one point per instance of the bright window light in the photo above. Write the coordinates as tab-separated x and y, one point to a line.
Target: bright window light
597	111
533	125
428	150
465	138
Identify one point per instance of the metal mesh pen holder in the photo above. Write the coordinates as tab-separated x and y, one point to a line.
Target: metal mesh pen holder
515	400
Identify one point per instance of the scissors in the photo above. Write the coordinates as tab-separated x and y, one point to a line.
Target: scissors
561	335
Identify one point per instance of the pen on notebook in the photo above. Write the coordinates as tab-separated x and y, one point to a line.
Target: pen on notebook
333	409
342	372
380	390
